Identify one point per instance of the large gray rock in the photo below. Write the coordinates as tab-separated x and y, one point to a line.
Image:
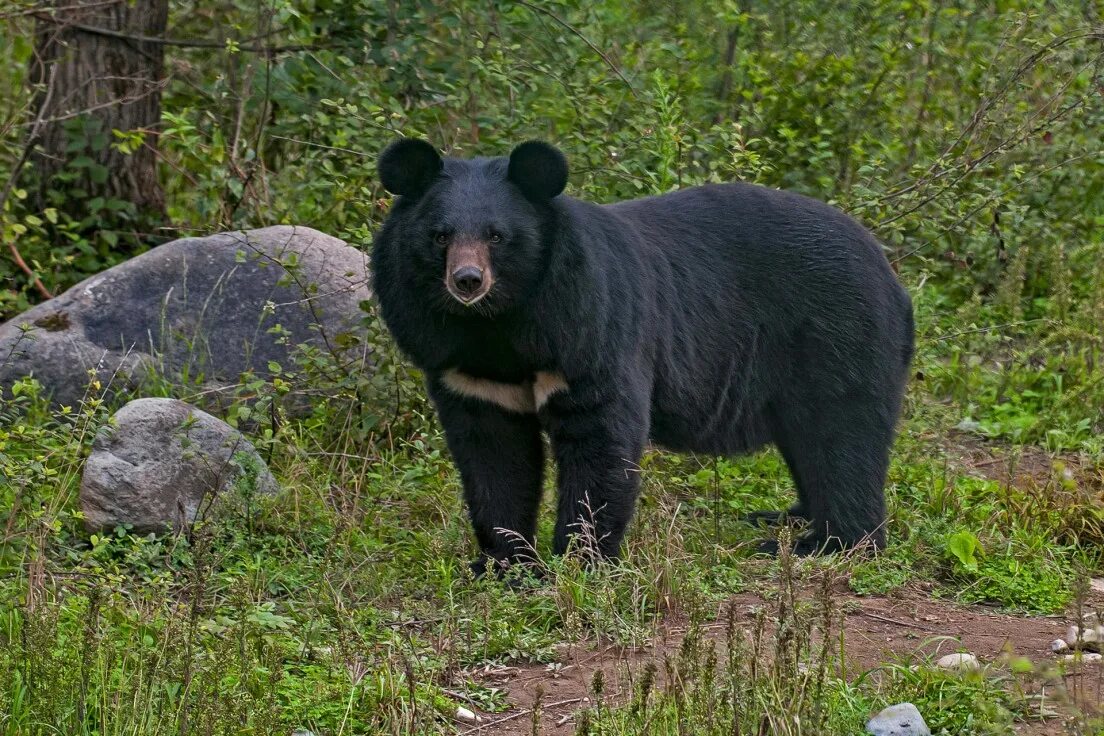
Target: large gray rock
197	310
161	463
902	719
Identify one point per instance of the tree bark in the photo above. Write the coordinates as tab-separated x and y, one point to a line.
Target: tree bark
724	87
93	79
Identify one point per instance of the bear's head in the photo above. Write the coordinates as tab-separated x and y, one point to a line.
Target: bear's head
474	231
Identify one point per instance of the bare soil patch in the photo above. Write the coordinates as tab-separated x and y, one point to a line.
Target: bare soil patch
1022	466
908	628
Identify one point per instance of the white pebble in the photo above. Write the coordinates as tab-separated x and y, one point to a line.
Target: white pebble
1058	645
465	715
958	661
1083	657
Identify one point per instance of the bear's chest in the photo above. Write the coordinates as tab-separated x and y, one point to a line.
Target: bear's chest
521	397
497	365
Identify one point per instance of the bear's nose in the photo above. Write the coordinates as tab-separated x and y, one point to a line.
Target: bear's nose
467	280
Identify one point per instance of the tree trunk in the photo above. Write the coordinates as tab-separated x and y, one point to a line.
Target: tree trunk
96	76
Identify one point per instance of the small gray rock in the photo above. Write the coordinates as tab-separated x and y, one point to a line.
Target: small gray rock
195	310
162	463
902	719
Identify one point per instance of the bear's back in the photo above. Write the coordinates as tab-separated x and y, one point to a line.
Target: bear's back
750	286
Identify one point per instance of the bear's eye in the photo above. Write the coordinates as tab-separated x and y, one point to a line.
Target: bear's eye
496	237
441	238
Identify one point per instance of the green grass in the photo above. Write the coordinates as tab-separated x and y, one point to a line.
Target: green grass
966	136
345	605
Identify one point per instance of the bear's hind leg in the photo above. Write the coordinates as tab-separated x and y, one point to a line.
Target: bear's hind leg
838	453
799	511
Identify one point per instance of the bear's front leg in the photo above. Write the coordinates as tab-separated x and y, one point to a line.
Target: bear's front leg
597	455
500	457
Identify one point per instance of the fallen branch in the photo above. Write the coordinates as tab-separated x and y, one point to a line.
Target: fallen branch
896	622
520	713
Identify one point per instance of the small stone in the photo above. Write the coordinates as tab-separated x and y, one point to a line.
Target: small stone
1097	585
902	719
465	715
302	732
1083	657
1088	636
958	661
162	463
1059	645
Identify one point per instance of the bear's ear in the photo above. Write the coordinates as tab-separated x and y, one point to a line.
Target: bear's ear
538	169
408	166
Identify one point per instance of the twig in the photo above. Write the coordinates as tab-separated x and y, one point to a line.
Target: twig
896	622
460	696
10	184
989	328
154	88
320	145
987	463
520	713
18	258
184	43
989	200
609	62
980	113
57	9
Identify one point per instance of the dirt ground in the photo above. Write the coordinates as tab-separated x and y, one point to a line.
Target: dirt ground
910	626
877	630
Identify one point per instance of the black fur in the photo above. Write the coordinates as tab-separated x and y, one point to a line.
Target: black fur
715	319
408	166
538	170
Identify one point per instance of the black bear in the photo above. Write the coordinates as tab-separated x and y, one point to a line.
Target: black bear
715	319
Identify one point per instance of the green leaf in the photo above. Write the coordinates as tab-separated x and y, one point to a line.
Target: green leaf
965	546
